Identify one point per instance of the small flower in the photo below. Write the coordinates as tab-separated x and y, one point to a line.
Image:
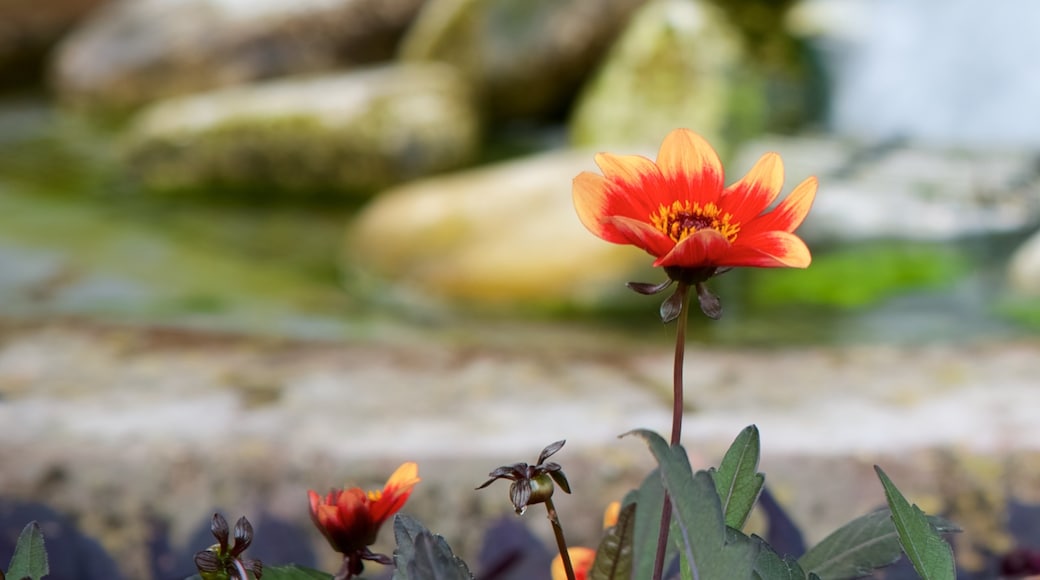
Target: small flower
1020	563
581	558
222	561
610	515
532	484
677	210
350	518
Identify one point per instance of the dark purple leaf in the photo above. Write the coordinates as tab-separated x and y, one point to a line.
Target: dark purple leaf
510	552
781	532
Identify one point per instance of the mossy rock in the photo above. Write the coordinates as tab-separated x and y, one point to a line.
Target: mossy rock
351	134
679	63
525	58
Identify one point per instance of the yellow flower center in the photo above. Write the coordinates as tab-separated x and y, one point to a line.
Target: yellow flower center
375	495
685	217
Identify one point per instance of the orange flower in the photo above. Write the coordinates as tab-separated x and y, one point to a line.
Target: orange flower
678	211
581	559
350	518
610	515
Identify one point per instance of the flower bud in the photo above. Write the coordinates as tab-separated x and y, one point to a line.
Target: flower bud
541	489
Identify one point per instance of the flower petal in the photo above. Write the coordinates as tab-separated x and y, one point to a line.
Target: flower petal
610	515
751	195
407	475
691	167
315	501
771	249
597	198
701	248
396	492
792	211
581	561
641	235
634	185
630	170
589	191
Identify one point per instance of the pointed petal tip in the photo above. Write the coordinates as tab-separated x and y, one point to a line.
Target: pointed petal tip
406	475
630	169
685	156
801	263
789	214
772	249
795	254
753	193
588	193
771	159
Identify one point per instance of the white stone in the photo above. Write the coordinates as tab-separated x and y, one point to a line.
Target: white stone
497	235
1024	268
906	192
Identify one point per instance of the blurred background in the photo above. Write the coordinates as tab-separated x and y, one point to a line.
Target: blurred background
329	234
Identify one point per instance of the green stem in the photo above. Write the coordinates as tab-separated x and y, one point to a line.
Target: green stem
561	542
677	416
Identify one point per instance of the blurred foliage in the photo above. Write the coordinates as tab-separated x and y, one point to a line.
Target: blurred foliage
860	275
782	67
1021	310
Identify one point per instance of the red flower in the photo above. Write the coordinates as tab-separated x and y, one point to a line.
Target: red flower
679	212
350	518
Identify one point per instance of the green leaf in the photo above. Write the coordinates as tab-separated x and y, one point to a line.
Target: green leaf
685	564
770	566
293	572
434	559
930	554
712	550
853	550
737	480
864	544
30	555
421	554
614	555
649	500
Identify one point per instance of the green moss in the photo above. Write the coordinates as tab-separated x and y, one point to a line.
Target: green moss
860	276
184	266
52	154
292	154
1022	311
201	303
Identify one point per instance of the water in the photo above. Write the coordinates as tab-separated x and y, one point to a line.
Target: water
76	239
953	72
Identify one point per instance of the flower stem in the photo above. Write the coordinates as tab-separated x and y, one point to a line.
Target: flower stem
561	542
346	569
677	369
677	416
